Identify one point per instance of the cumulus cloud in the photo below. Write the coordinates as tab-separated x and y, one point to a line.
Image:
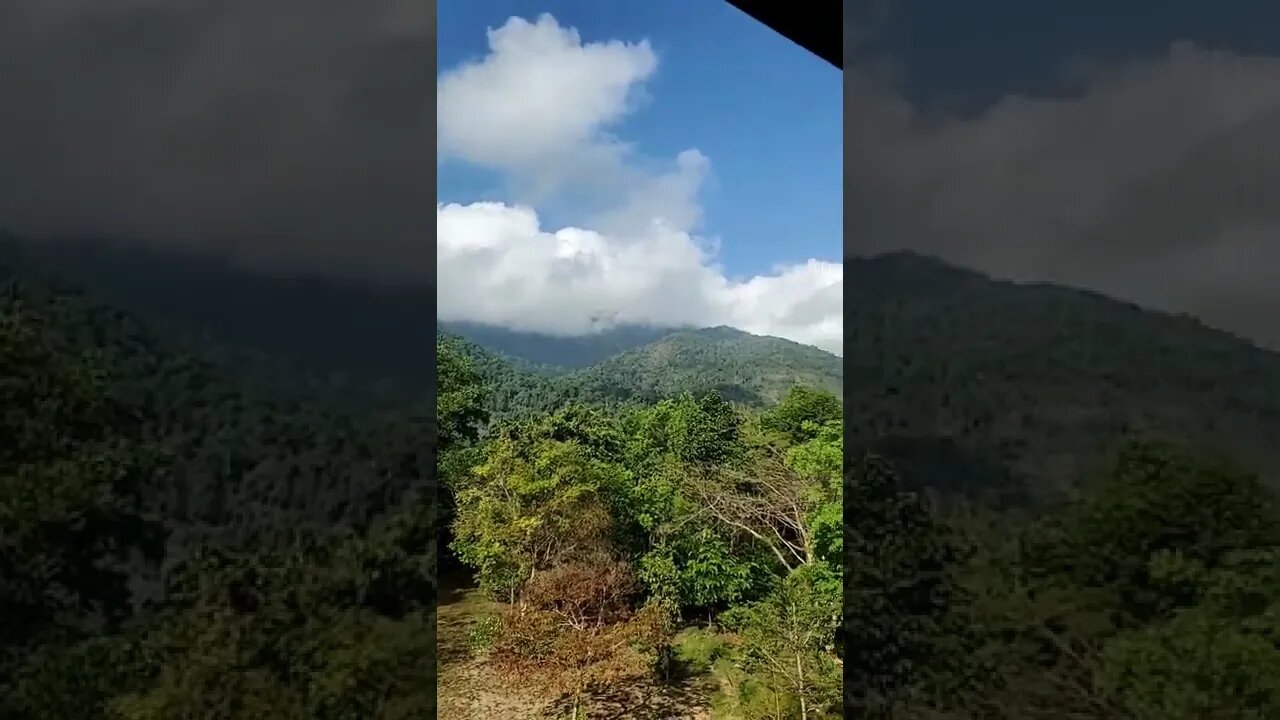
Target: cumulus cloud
538	108
540	95
498	266
1155	181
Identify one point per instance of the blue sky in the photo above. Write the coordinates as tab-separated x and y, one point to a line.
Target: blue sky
669	163
765	112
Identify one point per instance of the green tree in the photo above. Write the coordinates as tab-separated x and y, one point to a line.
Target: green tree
789	645
820	460
900	566
460	410
802	413
73	471
701	430
529	506
1219	657
1157	499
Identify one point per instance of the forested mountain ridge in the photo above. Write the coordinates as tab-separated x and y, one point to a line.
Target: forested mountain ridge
286	326
968	384
971	381
552	353
745	369
175	541
1160	580
965	377
749	369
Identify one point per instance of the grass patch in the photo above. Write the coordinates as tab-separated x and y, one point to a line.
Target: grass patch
697	650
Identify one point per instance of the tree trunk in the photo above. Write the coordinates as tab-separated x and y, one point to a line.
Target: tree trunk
804	709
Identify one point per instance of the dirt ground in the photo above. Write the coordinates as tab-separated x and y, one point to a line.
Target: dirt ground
470	690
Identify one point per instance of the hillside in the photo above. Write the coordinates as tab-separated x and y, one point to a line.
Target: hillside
253	461
746	369
246	463
358	335
971	383
552	353
966	379
181	533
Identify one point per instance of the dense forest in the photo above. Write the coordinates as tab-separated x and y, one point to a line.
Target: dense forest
184	537
1066	513
173	545
747	370
1154	594
651	542
1084	522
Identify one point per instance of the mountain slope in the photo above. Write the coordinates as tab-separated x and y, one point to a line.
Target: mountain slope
247	466
967	382
747	369
744	368
1038	381
556	353
323	327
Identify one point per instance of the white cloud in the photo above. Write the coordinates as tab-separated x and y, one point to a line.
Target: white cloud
496	265
539	95
536	109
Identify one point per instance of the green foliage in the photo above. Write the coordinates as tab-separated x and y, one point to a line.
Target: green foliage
339	630
699	650
802	413
1199	664
622	498
968	384
1155	594
555	505
530	505
1156	500
789	644
74	467
899	565
821	459
459	396
743	369
78	681
555	354
700	569
694	430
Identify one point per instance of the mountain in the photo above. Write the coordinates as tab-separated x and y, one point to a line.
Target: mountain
973	384
747	369
276	326
977	382
553	353
357	334
744	368
249	461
